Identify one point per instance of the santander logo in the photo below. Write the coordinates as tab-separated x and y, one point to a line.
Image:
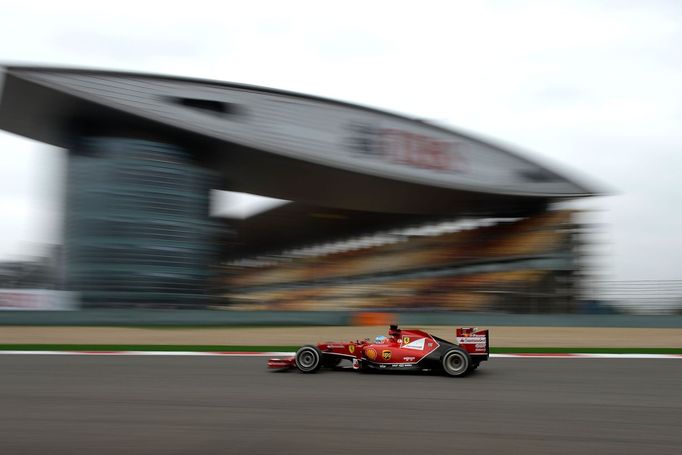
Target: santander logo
406	148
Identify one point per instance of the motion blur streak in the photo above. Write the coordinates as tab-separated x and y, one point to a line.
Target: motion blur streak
269	354
209	405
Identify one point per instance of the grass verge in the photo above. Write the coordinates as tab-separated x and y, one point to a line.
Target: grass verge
241	348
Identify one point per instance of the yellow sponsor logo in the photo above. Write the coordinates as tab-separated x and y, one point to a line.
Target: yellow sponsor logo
406	340
386	355
351	348
371	354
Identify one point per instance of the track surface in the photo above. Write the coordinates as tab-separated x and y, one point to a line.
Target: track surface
207	405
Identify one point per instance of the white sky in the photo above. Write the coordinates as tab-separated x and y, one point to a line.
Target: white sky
592	86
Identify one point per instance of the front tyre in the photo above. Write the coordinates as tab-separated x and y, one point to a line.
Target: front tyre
308	359
456	362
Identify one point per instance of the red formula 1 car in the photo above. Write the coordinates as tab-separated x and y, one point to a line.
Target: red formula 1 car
403	350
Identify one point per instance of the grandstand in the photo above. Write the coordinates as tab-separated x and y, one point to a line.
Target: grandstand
386	211
527	264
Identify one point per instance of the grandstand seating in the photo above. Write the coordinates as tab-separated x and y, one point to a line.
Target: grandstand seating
436	271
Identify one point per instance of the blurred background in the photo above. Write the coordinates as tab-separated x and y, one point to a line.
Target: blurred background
439	164
587	88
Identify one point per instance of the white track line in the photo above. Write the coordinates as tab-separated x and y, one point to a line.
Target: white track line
282	354
154	353
588	356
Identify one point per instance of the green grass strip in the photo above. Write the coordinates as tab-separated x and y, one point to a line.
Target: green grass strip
241	348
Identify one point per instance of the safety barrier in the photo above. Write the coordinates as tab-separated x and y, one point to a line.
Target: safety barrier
206	318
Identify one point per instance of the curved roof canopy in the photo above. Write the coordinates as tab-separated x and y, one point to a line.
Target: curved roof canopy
286	145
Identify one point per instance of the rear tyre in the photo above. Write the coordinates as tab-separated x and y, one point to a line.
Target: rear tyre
308	359
456	362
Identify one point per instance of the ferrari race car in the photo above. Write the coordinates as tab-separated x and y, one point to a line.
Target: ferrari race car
402	350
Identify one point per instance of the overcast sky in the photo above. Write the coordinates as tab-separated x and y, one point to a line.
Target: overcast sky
594	87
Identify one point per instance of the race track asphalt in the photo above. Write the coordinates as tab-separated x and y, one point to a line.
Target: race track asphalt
216	405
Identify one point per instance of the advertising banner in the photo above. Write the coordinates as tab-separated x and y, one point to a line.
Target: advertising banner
37	299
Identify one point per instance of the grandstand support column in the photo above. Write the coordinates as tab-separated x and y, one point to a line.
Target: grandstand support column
137	230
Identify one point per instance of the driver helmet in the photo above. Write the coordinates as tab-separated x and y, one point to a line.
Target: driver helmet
380	339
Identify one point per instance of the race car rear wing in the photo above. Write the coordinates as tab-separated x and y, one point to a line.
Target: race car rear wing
476	342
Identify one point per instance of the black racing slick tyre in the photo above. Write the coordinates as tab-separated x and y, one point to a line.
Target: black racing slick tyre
456	362
308	359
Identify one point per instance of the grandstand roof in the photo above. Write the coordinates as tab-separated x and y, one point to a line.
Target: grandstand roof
287	145
301	225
